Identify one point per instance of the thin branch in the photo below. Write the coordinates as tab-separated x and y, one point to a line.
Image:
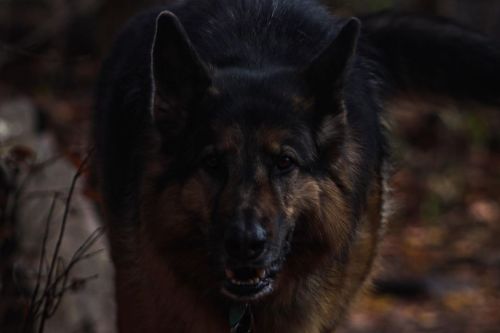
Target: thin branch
62	230
31	314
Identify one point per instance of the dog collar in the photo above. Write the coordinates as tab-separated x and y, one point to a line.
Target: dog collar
240	318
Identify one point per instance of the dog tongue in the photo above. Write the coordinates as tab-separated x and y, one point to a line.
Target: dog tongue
245	273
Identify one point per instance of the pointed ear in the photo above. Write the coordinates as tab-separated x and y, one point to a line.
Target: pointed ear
325	77
326	73
180	78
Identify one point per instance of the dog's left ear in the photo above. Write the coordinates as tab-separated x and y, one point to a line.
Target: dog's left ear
325	76
180	77
326	73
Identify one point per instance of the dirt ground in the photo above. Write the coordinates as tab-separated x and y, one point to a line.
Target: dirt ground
440	265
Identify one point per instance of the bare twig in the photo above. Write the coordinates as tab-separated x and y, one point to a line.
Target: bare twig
53	274
46	311
34	295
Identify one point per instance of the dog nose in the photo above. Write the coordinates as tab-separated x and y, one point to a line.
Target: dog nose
246	244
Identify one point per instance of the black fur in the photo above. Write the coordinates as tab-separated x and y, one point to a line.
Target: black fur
253	38
433	56
404	53
246	38
251	62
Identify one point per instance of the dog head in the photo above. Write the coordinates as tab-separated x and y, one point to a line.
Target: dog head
252	176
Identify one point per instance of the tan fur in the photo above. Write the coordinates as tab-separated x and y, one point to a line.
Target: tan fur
301	104
167	284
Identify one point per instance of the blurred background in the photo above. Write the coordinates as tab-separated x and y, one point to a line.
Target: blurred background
440	265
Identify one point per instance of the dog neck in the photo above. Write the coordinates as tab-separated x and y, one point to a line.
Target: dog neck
151	299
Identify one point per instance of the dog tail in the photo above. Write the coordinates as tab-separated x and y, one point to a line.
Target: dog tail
433	56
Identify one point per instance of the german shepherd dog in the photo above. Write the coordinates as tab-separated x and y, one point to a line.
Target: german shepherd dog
242	158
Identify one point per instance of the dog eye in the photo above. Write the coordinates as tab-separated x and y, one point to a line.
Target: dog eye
211	161
284	163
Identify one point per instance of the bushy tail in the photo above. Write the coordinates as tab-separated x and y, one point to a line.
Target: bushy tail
436	56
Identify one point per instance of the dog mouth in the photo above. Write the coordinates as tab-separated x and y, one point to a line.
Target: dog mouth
248	283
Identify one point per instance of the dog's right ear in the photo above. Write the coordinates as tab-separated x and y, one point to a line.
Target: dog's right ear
180	78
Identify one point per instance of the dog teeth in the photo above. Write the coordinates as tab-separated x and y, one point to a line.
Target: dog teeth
246	282
260	275
255	281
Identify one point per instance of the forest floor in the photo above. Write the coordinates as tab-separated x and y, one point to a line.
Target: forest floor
440	260
440	266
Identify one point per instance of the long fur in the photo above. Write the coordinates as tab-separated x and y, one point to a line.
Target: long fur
278	70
